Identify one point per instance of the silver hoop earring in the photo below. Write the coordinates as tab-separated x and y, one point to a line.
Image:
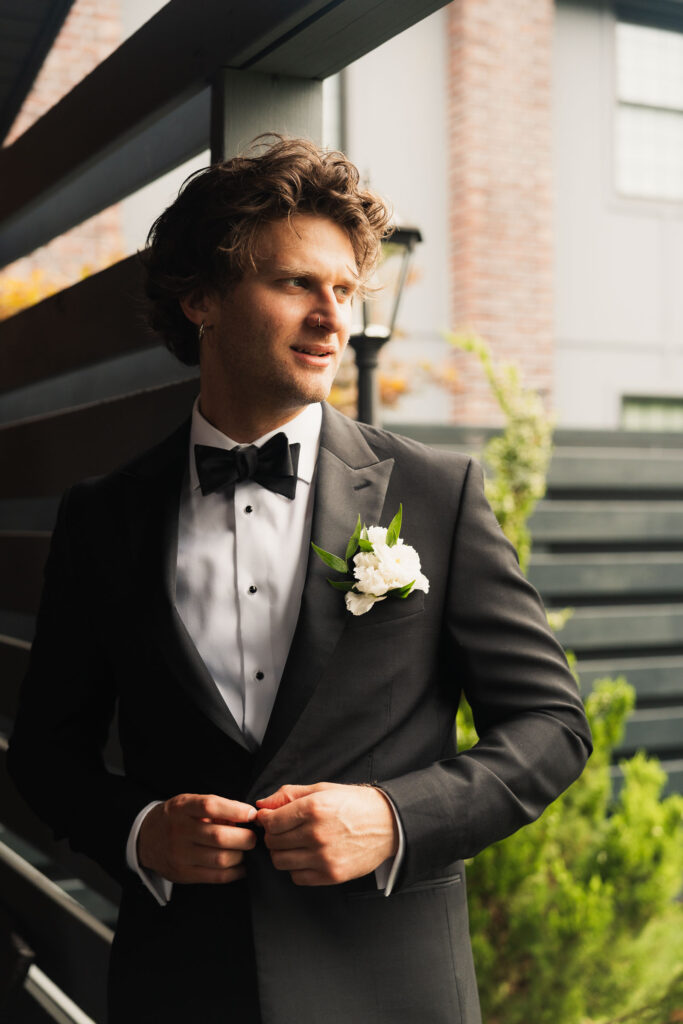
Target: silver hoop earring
201	331
318	319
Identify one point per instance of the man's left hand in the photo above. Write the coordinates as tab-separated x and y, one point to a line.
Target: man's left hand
328	833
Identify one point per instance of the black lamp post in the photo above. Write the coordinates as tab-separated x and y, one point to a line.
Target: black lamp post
379	310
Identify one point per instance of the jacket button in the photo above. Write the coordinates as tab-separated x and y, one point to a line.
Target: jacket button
249	509
252	589
260	675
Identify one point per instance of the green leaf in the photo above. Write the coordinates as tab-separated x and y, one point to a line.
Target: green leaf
342	584
365	545
352	546
395	527
334	561
402	592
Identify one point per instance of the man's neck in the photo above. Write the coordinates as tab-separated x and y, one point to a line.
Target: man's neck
248	426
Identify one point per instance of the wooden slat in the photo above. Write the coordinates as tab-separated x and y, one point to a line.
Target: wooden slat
36	28
572	522
22	559
624	628
44	455
654	678
71	946
172	138
447	436
80	138
674	771
16	815
94	320
17	624
13	664
28	514
99	110
325	45
656	573
633	469
658	730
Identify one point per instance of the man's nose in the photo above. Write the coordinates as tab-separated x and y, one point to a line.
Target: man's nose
328	314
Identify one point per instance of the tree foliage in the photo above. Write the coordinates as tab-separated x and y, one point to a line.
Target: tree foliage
574	918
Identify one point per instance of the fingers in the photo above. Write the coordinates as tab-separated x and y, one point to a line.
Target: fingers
287	794
284	795
186	839
213	808
225	837
209	857
291	806
284	819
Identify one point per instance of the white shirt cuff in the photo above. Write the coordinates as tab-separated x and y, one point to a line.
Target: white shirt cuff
385	874
160	887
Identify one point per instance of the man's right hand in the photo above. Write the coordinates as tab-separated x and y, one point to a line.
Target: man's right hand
197	838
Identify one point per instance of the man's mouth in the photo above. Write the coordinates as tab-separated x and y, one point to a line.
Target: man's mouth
315	351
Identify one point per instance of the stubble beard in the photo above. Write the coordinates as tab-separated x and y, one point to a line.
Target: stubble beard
286	393
292	393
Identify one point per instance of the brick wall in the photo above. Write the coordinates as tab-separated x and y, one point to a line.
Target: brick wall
91	31
499	139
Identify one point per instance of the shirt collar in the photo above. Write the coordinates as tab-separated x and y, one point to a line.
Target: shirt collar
304	429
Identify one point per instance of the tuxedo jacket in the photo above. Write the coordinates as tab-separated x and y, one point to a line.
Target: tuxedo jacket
368	699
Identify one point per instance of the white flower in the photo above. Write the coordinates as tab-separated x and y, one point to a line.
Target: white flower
389	569
383	569
359	604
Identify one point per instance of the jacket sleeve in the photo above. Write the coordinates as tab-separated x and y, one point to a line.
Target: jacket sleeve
533	735
65	711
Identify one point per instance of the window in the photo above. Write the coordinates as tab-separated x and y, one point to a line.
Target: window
651	413
649	122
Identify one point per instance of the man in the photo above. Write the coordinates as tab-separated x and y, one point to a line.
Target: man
293	817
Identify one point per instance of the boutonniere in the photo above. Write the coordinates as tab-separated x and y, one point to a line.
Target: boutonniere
383	566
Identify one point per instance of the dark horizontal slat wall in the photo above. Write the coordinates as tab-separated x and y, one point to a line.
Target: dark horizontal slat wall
13	662
43	455
99	318
608	542
75	160
40	456
71	946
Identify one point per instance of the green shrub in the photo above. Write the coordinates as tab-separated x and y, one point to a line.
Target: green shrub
559	911
518	457
573	918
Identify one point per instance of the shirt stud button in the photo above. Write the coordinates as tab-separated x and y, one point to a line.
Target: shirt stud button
249	509
259	675
252	589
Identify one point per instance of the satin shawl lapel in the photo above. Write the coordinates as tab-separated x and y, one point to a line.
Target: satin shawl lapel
350	479
153	498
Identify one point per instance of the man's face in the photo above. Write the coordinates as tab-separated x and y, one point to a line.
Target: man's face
264	339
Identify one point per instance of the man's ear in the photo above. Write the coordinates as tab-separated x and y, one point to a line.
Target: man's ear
196	306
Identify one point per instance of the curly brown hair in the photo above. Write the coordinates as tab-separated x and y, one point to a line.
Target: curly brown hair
207	239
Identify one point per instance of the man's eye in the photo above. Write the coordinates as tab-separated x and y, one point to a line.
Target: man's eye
298	282
342	291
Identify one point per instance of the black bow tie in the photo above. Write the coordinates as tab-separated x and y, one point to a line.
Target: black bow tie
273	465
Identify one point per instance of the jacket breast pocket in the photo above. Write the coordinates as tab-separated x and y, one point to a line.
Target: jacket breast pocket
428	885
392	609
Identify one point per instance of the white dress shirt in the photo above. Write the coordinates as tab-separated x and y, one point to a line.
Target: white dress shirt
239	588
